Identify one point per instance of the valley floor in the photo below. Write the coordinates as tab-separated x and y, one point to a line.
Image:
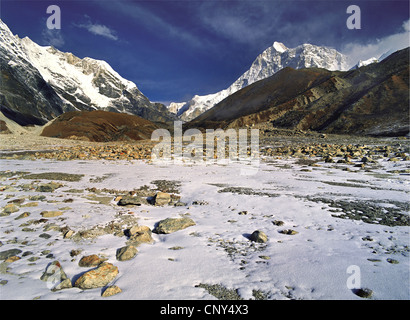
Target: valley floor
331	228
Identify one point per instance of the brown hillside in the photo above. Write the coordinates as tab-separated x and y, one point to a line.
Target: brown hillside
99	126
372	100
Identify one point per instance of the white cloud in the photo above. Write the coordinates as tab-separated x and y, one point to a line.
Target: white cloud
155	23
52	37
98	29
391	43
247	22
102	30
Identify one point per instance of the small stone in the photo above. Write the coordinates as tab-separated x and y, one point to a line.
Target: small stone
110	291
75	252
50	214
392	261
12	259
278	223
48	187
9	253
363	293
97	278
65	284
32	259
180	204
329	159
30	205
366	159
289	232
258	236
126	253
170	225
200	203
91	261
22	216
10	208
68	234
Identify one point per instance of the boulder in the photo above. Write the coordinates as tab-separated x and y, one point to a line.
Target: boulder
161	198
97	278
91	261
170	225
55	277
258	236
129	200
126	253
140	234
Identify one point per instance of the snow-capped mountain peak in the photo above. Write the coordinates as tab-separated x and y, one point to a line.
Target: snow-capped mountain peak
270	61
366	62
279	47
72	82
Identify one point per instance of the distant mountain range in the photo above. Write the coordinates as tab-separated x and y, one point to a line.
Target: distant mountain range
273	59
40	83
371	100
307	87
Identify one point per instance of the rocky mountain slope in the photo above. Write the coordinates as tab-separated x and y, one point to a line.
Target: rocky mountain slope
40	83
273	59
372	100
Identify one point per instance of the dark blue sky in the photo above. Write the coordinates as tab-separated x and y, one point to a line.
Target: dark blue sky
175	49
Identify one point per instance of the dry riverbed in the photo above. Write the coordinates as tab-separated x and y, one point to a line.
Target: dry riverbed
102	221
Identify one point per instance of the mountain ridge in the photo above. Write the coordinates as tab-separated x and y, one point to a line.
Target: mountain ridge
42	82
270	61
371	100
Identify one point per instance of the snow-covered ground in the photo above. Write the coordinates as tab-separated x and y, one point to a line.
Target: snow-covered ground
311	264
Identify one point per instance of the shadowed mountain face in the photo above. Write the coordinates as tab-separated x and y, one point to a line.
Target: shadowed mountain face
270	61
371	100
40	83
99	126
